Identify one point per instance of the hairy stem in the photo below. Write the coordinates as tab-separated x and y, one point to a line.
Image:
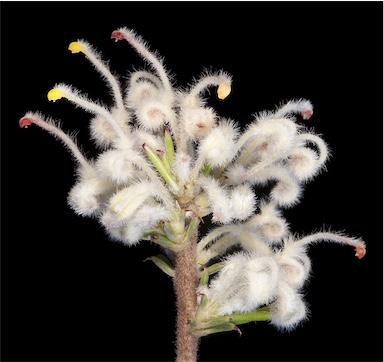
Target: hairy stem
185	281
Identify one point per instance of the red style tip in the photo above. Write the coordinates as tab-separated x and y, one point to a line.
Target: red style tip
307	114
117	35
25	122
360	252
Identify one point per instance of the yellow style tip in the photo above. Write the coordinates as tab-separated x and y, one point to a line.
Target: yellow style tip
75	47
55	94
223	90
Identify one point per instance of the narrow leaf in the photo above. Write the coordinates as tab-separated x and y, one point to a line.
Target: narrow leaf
163	263
161	168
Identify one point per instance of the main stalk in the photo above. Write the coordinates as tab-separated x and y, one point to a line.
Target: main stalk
185	282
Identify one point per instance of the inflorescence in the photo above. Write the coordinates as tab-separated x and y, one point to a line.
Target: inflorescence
167	161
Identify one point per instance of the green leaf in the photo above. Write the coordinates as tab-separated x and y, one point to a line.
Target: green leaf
204	277
207	169
161	239
214	268
163	263
259	315
169	147
225	327
161	168
193	224
223	323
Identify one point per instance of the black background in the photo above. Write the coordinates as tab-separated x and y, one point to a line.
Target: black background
68	293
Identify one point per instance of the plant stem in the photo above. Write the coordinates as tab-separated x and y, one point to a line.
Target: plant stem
185	283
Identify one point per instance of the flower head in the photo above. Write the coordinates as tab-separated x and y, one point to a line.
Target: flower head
167	161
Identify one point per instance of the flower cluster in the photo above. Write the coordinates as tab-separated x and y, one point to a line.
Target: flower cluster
167	160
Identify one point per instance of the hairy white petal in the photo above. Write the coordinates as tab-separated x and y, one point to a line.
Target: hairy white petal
218	147
302	162
141	136
243	202
140	91
198	122
152	113
116	165
268	223
294	270
219	200
126	201
244	283
235	174
182	167
289	309
87	196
